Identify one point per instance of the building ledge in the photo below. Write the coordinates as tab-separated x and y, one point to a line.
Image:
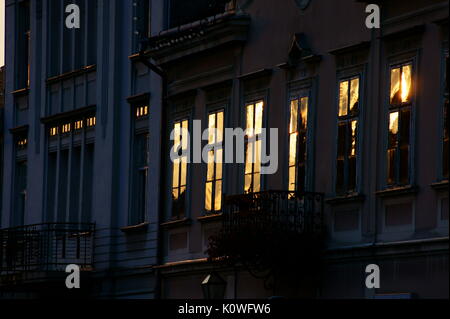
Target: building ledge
67	115
210	218
398	191
21	92
176	223
71	74
350	198
139	228
440	186
197	37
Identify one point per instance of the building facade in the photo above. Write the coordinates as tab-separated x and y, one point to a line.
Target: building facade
99	122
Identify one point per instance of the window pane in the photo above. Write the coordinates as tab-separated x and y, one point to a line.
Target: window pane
294	116
249	158
177	136
292	149
405	124
208	196
391	154
219	160
351	174
259	117
210	173
176	172
184	135
404	167
292	178
257	167
183	171
353	130
249	119
220	127
247	183
393	129
304	113
218	196
395	86
211	127
256	182
342	134
343	98
354	95
406	83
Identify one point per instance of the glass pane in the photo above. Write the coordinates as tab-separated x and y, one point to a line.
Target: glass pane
247	183
353	128
354	95
304	113
177	133
208	196
393	129
219	165
294	116
391	154
404	126
351	174
343	98
220	127
176	172
210	173
249	120
185	135
249	158
292	149
259	117
292	178
406	83
218	196
256	182
404	165
257	167
342	133
395	86
175	194
183	171
211	127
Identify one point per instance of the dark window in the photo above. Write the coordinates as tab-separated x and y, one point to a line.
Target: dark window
140	191
446	116
298	129
399	146
347	145
23	45
20	193
141	21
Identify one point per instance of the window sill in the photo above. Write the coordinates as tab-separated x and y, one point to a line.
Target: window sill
21	92
345	199
440	186
176	223
210	218
135	228
398	191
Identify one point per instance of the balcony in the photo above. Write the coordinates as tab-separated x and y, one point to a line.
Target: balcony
271	233
36	251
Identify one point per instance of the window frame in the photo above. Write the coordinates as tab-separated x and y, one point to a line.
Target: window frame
348	118
410	59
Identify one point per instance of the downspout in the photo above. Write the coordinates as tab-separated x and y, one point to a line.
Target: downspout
159	251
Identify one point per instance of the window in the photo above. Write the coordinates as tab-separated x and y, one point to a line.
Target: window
20	192
24	45
445	144
69	174
141	20
179	172
141	111
214	178
297	143
140	191
254	123
398	153
347	135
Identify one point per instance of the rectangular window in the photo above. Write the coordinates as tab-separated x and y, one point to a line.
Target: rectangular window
349	90
214	178
140	192
297	143
24	45
179	172
20	196
141	21
445	144
398	152
254	124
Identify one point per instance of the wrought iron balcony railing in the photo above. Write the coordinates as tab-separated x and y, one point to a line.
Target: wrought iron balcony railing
283	211
46	247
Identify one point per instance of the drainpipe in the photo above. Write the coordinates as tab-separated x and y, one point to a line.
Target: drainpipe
159	255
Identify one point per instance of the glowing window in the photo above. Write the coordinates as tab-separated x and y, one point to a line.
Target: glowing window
213	187
401	84
78	125
252	173
141	111
54	131
179	172
65	128
91	121
298	125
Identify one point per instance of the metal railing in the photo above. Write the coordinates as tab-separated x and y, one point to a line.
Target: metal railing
278	210
46	247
